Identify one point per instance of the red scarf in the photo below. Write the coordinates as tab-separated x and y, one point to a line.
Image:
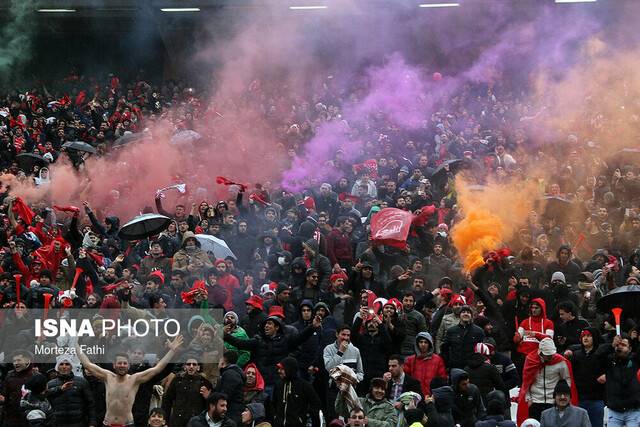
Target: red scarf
532	366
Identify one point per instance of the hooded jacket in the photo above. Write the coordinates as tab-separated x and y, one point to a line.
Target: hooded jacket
540	326
294	398
587	367
198	259
484	375
379	413
468	405
440	412
426	367
231	383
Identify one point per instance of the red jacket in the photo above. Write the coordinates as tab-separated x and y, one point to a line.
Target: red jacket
339	247
424	370
540	326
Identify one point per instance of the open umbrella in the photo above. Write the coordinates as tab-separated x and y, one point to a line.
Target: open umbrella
128	139
185	136
555	206
454	166
628	155
79	146
217	247
626	297
26	161
143	226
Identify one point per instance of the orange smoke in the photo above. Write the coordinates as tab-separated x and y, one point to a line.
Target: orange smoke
490	217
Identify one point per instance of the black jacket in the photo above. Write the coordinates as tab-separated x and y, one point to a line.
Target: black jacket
374	350
252	322
201	421
266	351
622	386
231	383
587	367
485	376
73	407
468	406
458	343
294	398
182	400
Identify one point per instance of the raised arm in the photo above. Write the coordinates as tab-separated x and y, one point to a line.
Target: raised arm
144	376
93	369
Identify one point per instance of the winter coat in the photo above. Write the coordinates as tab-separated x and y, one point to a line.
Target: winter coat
458	344
182	399
468	406
243	246
440	413
231	382
507	370
74	407
573	416
268	351
622	386
448	320
294	398
414	322
11	390
252	322
587	367
425	368
149	264
485	376
374	350
243	355
339	248
201	421
379	414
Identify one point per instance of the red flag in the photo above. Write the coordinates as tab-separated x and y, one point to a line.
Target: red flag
80	98
391	227
226	181
23	211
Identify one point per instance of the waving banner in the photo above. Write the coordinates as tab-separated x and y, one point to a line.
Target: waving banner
390	227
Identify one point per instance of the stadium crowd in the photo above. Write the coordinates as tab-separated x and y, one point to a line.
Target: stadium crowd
323	325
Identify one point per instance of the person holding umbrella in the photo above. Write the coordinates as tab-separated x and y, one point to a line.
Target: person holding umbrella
191	258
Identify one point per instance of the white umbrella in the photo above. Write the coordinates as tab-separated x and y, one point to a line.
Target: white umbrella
185	136
217	247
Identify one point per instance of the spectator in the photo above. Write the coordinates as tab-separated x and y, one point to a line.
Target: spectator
622	387
71	398
216	413
398	382
231	383
377	408
185	398
11	388
293	398
563	413
424	365
468	402
460	340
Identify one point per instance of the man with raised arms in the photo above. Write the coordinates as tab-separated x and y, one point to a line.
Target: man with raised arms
121	388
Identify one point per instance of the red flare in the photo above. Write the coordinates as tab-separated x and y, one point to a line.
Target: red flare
47	302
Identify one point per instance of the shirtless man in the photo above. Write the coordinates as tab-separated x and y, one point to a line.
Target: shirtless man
121	387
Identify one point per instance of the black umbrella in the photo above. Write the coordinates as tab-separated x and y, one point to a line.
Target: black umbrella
629	155
79	146
26	161
128	139
143	226
626	297
556	206
453	165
